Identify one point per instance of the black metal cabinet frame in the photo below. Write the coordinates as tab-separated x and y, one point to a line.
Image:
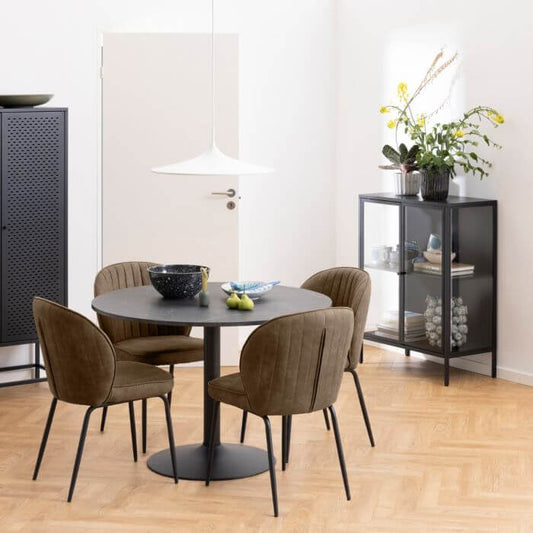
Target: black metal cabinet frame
449	214
34	222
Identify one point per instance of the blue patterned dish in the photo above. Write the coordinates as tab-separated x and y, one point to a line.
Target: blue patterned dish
254	289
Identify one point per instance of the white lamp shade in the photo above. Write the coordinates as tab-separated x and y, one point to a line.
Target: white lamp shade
212	162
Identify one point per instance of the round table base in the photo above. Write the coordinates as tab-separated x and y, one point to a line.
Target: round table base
231	461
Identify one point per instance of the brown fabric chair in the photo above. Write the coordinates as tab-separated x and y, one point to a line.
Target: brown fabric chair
82	368
350	287
143	343
290	365
347	287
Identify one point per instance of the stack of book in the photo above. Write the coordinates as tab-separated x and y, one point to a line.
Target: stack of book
458	269
414	326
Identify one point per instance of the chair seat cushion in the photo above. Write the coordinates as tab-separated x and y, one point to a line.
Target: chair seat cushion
161	349
229	389
135	381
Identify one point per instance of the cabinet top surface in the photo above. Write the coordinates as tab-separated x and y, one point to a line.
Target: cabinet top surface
37	109
452	201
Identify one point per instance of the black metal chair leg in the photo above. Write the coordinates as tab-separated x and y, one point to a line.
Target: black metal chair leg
211	444
283	442
326	419
144	419
340	453
171	370
79	453
104	416
243	425
171	443
273	485
44	440
133	431
289	429
363	406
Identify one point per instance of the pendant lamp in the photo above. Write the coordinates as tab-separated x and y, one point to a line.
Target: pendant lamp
213	161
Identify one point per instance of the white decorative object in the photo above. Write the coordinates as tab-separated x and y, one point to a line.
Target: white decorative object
436	257
458	326
212	162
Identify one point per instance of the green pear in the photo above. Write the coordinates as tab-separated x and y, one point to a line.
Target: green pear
246	303
233	301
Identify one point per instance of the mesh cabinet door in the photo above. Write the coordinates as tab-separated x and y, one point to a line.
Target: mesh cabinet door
33	172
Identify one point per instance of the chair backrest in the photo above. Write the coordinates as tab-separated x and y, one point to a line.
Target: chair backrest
294	364
347	287
123	276
79	358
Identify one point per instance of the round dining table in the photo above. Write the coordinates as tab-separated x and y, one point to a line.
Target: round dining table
144	304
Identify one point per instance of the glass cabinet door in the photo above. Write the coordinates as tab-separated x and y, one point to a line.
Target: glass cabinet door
379	256
472	317
422	279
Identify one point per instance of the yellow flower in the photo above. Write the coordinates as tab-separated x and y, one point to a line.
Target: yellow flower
384	109
402	91
499	119
459	133
391	124
421	120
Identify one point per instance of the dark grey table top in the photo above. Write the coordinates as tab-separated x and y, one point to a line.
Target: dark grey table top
145	304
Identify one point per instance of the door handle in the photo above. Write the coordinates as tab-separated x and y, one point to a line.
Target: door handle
230	193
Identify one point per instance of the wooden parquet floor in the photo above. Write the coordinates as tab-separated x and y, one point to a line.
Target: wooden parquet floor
446	459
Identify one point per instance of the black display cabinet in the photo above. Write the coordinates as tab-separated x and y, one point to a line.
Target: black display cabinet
33	210
445	309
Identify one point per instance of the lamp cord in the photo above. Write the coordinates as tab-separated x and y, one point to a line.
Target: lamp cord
212	73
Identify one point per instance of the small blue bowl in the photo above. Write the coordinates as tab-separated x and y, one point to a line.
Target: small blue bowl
177	281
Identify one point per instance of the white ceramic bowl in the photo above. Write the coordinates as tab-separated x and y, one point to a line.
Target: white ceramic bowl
436	257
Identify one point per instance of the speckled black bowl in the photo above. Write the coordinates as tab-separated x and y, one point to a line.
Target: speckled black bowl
177	281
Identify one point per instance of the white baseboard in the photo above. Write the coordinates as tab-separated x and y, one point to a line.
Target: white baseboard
509	374
480	364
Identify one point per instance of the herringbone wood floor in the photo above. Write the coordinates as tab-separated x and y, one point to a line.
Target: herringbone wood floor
447	459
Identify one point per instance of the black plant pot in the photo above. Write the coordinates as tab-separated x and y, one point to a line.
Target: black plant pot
435	184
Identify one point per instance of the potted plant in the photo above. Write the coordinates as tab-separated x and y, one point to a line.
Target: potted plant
441	147
407	181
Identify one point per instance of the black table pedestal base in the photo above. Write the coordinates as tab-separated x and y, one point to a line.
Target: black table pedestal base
231	461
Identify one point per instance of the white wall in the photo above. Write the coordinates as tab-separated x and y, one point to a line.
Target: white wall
286	120
287	223
495	42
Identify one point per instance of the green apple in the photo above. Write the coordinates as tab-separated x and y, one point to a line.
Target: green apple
246	303
233	301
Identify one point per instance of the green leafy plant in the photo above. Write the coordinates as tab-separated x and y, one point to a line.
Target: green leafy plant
402	159
441	146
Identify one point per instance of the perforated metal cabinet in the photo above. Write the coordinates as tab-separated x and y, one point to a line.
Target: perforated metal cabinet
33	175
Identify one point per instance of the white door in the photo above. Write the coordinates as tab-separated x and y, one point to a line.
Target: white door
156	94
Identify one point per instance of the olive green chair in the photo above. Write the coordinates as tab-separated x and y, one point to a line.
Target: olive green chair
290	365
138	342
82	368
349	287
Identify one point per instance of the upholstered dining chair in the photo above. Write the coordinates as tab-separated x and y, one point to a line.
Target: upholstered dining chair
82	368
350	287
143	343
289	365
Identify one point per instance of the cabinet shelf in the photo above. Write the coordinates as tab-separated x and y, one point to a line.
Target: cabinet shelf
438	277
425	274
382	268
